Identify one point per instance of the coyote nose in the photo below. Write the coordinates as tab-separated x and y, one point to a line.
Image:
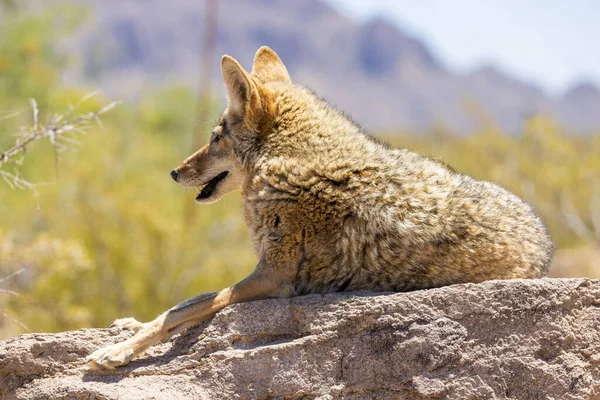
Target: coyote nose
174	174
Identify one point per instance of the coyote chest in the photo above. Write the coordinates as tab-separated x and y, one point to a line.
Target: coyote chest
326	243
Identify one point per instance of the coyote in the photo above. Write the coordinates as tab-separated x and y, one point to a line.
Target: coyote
332	209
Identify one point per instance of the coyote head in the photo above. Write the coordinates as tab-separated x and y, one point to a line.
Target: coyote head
217	168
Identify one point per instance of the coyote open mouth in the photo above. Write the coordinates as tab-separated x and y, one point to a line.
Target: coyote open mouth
210	186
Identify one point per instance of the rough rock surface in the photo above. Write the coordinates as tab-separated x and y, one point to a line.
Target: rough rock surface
536	339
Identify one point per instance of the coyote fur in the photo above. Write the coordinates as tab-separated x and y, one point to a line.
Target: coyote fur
331	209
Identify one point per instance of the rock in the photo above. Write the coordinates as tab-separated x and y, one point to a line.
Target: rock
522	339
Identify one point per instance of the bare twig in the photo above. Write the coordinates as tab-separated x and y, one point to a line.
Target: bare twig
574	220
16	182
60	132
8	116
58	126
36	113
10	276
10	292
16	321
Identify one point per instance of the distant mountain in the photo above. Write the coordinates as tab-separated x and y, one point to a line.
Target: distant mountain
374	71
579	108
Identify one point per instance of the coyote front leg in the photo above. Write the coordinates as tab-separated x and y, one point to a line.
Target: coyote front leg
256	286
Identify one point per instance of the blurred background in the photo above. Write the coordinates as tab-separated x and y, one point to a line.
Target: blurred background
92	227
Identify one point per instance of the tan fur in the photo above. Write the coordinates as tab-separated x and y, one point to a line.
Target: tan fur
331	209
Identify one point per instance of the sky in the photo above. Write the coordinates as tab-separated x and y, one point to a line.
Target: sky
552	43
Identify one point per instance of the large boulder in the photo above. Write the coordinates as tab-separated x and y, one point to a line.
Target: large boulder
521	339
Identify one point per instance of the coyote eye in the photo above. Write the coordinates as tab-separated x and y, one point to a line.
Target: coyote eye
216	138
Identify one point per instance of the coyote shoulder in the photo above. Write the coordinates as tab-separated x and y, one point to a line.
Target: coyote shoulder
330	208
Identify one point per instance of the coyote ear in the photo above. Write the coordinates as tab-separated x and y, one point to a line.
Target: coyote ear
268	67
240	88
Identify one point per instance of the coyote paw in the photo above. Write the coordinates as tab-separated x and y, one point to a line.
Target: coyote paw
111	356
127	323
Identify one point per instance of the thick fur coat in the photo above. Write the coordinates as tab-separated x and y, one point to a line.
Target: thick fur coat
342	211
330	208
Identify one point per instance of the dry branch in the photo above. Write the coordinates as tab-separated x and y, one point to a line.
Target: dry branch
59	131
12	293
57	127
575	221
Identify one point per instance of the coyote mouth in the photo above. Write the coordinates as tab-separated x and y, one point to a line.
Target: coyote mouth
210	186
